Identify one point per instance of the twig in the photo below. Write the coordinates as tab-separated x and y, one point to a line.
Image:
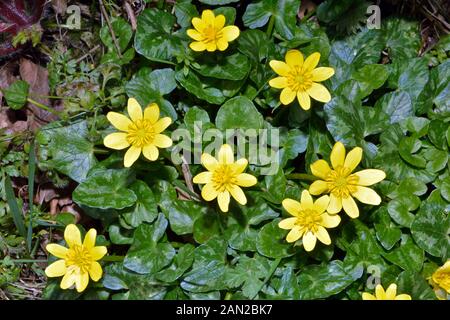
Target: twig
113	35
87	54
131	15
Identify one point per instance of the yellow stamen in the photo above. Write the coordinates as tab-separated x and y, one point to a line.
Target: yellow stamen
141	133
79	257
223	176
309	219
299	80
341	183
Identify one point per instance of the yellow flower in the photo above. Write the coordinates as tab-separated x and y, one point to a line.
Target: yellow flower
341	184
224	177
142	133
210	32
440	280
77	262
390	294
300	78
309	221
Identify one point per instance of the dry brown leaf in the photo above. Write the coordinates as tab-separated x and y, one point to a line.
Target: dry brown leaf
306	7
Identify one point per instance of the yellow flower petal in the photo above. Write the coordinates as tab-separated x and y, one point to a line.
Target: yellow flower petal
118	120
223	199
98	252
291	206
321	204
323	236
278	82
403	297
56	269
72	235
131	156
162	141
151	113
330	220
246	180
367	195
222	44
295	234
209	192
208	17
337	155
287	223
203	177
162	124
237	193
81	281
306	200
226	154
280	67
318	187
287	96
369	177
211	46
350	207
194	34
95	271
68	280
230	32
379	292
89	238
134	109
219	22
391	292
198	24
353	158
309	241
322	74
209	162
294	58
368	296
57	250
320	169
303	100
150	152
311	62
197	46
116	141
240	165
335	205
318	92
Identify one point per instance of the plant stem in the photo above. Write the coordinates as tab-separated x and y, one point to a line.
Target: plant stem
43	107
100	151
113	258
301	176
270	26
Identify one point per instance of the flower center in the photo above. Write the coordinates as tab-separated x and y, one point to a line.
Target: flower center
79	257
211	34
299	80
341	183
140	133
309	219
223	176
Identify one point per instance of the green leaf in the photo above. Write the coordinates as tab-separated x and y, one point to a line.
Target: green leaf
319	282
407	148
150	86
228	67
105	189
182	261
408	256
228	12
206	227
214	91
400	209
68	149
272	242
217	2
145	209
284	12
116	237
185	11
415	285
155	38
16	94
239	113
437	127
254	44
123	33
387	232
431	226
396	105
372	76
401	37
147	255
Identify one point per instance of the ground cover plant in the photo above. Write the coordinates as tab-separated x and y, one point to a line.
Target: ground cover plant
224	150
